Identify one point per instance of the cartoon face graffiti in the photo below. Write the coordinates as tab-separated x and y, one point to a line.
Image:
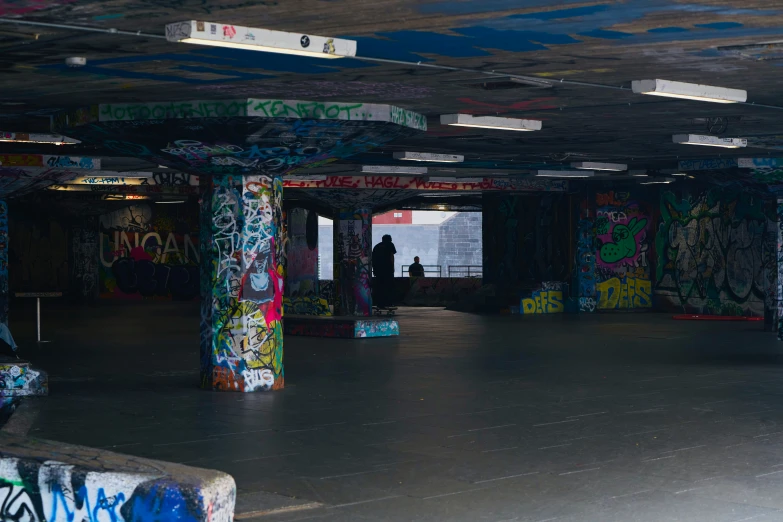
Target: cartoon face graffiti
623	242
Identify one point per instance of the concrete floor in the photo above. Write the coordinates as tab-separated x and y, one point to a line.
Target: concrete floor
568	418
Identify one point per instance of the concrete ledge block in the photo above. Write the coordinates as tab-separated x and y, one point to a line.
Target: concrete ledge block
53	481
19	379
341	327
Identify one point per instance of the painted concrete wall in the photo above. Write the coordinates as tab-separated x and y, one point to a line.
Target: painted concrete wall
150	251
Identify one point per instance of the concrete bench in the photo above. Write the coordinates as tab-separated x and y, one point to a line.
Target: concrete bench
19	379
46	480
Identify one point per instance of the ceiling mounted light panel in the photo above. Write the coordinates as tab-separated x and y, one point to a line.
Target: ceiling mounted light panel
564	173
426	156
490	122
391	169
593	165
660	181
255	39
689	91
709	141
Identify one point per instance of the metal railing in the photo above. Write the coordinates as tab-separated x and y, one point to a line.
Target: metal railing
435	270
465	271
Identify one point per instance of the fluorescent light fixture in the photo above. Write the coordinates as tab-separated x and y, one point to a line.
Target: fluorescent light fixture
564	173
679	174
490	122
689	91
638	173
254	39
124	197
25	137
709	141
592	165
391	169
662	181
426	156
172	202
305	177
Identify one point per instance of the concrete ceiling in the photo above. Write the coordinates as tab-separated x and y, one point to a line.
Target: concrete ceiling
606	43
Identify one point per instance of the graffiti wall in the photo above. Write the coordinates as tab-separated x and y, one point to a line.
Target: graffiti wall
622	245
526	240
353	245
150	251
546	300
242	284
714	252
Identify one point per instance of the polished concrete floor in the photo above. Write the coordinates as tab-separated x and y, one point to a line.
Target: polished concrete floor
631	417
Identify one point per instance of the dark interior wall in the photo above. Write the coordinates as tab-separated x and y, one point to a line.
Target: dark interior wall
38	250
526	240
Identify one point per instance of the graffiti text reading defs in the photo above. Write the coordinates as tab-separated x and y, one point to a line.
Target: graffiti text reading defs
281	109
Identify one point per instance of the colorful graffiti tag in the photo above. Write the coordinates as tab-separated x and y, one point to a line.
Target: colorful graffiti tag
353	246
628	292
137	262
242	284
74	483
622	233
714	253
585	263
311	305
547	300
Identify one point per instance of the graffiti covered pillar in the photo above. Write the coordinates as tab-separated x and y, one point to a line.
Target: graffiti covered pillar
780	269
352	252
83	252
242	283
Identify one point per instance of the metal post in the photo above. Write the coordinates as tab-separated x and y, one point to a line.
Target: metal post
38	318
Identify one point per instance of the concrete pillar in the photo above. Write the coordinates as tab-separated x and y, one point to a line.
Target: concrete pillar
4	244
301	253
352	270
780	270
242	283
83	258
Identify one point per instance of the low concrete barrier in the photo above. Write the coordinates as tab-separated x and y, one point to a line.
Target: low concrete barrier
42	480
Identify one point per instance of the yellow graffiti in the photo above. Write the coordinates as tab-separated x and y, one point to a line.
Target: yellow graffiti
543	302
628	292
246	335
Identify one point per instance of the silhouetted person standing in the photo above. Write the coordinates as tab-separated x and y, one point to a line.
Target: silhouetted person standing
383	268
416	270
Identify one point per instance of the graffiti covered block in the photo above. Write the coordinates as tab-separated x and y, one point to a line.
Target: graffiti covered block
19	379
46	480
347	328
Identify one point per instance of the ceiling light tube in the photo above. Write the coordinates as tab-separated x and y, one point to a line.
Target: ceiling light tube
709	141
592	165
689	91
564	173
392	169
255	39
658	181
638	173
490	122
426	156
